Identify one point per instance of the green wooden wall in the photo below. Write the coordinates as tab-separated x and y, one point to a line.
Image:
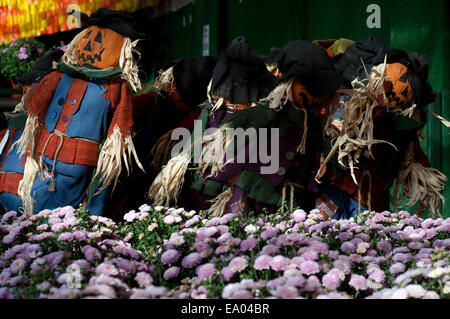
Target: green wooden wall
419	26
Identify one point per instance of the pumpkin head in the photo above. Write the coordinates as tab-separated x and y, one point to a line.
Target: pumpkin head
398	91
301	96
99	47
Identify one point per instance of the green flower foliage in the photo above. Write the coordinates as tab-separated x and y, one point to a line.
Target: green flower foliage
18	57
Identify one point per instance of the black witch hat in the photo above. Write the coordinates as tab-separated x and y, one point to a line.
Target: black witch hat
192	77
311	65
272	57
42	67
117	20
371	52
240	75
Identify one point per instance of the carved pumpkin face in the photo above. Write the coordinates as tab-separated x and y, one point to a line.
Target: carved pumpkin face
302	98
397	88
99	47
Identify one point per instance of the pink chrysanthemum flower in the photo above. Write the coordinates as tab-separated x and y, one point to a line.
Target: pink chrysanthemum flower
331	280
358	282
206	270
107	268
143	279
279	263
238	264
262	262
227	273
310	267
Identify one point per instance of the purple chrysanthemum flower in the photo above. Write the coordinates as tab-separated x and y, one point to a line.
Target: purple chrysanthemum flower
170	256
248	244
107	268
309	267
191	260
397	268
92	253
343	265
331	280
238	264
384	245
143	279
348	247
310	255
227	273
79	235
8	216
65	236
286	292
279	263
355	258
262	262
298	215
171	273
376	274
4	276
401	257
358	282
206	270
269	249
17	265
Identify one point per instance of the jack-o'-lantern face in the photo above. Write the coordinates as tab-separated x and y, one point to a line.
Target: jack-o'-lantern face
99	47
302	98
398	91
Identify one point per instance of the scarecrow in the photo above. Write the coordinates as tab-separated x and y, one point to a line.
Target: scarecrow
11	166
73	112
240	81
378	144
183	87
179	91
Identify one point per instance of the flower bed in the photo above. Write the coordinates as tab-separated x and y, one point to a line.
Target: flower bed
171	253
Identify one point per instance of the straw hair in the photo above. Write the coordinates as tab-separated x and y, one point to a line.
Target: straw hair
220	203
214	150
164	81
167	185
109	165
19	108
162	150
357	130
215	101
280	95
31	172
29	137
130	71
419	184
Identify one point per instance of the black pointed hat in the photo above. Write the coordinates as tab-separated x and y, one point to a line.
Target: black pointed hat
240	75
272	57
192	77
117	20
42	67
371	51
311	65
